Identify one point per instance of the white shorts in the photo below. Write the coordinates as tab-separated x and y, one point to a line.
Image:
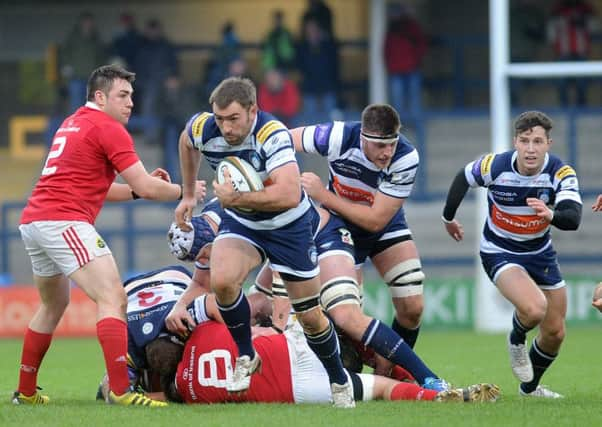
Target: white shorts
61	246
309	378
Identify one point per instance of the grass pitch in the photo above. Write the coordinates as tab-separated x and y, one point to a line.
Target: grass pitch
72	370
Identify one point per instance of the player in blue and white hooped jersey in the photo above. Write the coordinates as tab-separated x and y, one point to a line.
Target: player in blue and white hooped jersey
528	191
372	171
278	227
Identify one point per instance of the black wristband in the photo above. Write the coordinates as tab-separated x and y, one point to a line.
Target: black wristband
277	329
181	192
134	195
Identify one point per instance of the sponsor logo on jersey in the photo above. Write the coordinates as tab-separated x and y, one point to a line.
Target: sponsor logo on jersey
544	195
486	164
518	224
197	125
268	129
147	328
313	254
506	196
352	193
565	171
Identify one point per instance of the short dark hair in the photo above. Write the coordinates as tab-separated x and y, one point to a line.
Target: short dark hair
529	119
163	356
239	89
380	119
103	77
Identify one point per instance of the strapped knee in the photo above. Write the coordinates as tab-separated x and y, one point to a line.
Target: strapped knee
339	291
405	279
303	305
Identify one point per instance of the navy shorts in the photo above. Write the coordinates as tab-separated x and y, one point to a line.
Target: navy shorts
334	239
290	249
543	267
370	244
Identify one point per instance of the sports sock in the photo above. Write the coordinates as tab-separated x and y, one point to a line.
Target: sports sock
400	374
409	335
35	345
113	338
409	391
540	361
518	335
237	318
326	346
391	346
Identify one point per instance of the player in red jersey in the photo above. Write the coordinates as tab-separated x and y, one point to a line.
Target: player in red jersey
90	148
291	373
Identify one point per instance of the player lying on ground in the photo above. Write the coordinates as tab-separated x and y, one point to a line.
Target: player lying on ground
339	295
197	371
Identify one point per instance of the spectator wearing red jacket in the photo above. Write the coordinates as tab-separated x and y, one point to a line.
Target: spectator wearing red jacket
279	95
405	46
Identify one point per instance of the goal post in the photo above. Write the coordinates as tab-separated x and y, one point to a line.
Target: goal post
492	311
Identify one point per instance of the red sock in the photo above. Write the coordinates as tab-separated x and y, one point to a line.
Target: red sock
112	335
409	391
35	345
400	374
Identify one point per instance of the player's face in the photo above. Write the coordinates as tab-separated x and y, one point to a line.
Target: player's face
531	146
234	121
379	153
118	102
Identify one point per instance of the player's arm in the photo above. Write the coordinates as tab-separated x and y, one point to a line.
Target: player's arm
179	320
149	187
122	192
297	136
283	193
455	195
371	218
190	161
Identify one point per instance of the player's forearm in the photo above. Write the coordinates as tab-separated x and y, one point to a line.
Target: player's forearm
119	193
158	190
567	215
190	161
361	215
275	197
455	195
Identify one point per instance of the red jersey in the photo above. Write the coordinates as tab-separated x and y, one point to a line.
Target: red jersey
87	152
208	362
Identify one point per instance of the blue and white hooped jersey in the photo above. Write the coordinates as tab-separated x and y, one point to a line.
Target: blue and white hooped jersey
148	306
511	224
352	175
268	147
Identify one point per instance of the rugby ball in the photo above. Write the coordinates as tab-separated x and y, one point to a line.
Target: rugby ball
243	176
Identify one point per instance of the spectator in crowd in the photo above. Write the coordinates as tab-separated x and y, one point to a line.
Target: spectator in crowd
155	61
570	31
318	63
279	46
527	36
126	42
279	95
225	59
318	11
405	46
174	107
81	52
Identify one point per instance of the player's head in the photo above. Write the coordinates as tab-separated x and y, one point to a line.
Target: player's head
234	104
110	88
163	355
194	244
531	140
380	133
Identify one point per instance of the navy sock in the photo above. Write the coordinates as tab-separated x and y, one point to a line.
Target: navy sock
237	318
540	361
384	341
518	335
326	346
409	335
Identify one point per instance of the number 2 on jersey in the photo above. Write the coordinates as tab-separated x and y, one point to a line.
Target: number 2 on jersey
58	145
